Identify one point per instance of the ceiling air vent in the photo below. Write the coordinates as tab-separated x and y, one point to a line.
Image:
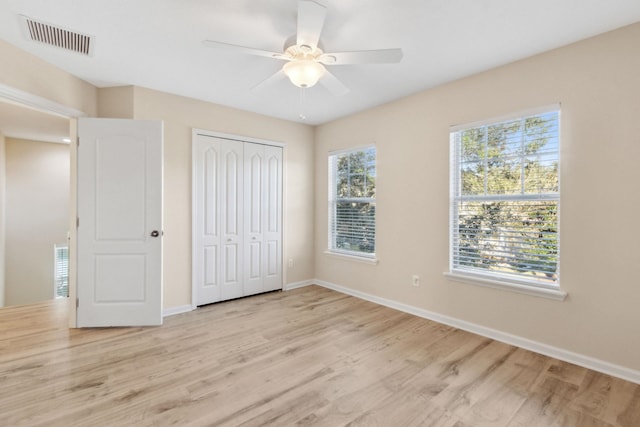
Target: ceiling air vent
56	36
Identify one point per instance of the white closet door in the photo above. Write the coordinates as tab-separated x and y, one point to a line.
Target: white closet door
262	218
272	219
231	218
254	167
237	193
207	220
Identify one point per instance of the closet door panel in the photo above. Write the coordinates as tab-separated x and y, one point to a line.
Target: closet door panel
272	219
207	220
232	189
253	217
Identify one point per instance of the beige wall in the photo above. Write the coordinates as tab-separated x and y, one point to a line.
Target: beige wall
23	71
597	81
180	116
116	102
37	217
2	216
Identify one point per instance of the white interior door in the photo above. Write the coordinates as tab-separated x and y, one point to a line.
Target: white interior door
119	271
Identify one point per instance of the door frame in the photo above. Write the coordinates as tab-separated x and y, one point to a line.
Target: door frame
194	133
35	102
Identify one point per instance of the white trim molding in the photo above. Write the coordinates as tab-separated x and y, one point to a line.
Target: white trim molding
296	285
537	347
176	310
348	257
234	137
38	103
513	286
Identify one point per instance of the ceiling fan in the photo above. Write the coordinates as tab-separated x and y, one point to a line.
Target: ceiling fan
304	56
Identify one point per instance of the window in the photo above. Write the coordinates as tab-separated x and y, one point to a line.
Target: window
504	200
61	273
352	202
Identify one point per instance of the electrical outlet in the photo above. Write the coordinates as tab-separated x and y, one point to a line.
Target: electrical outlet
290	263
415	280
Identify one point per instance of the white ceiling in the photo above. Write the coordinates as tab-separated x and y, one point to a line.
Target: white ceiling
158	44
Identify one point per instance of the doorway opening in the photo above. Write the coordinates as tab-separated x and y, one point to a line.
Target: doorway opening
34	196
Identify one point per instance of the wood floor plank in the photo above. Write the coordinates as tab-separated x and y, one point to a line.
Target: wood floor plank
308	357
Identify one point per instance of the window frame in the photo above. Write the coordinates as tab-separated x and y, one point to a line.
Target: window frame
474	275
333	200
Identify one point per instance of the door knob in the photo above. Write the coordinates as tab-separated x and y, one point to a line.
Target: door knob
155	233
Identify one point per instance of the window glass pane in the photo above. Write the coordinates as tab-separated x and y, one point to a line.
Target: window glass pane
506	200
509	237
352	211
541	174
503	176
355	226
357	185
358	166
342	176
503	158
371	182
342	183
473	147
472	176
357	162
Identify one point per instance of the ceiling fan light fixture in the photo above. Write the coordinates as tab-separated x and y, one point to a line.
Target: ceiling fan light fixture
303	73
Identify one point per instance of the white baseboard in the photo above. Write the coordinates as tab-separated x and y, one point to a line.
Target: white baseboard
537	347
176	310
296	285
186	308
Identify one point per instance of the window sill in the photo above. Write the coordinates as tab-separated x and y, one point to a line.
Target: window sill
348	257
554	294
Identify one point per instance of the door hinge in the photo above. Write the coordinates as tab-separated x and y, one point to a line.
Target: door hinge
77	222
77	302
77	141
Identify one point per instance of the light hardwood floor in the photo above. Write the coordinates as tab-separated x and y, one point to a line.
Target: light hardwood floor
305	357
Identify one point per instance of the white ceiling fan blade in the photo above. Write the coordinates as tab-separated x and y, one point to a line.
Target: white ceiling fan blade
310	21
332	83
379	56
245	50
276	77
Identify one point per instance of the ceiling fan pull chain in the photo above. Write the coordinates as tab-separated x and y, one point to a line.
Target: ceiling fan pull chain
302	97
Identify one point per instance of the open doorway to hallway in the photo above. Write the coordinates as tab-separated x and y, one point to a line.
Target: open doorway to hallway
34	199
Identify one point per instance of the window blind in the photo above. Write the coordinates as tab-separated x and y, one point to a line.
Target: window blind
352	202
61	271
505	198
